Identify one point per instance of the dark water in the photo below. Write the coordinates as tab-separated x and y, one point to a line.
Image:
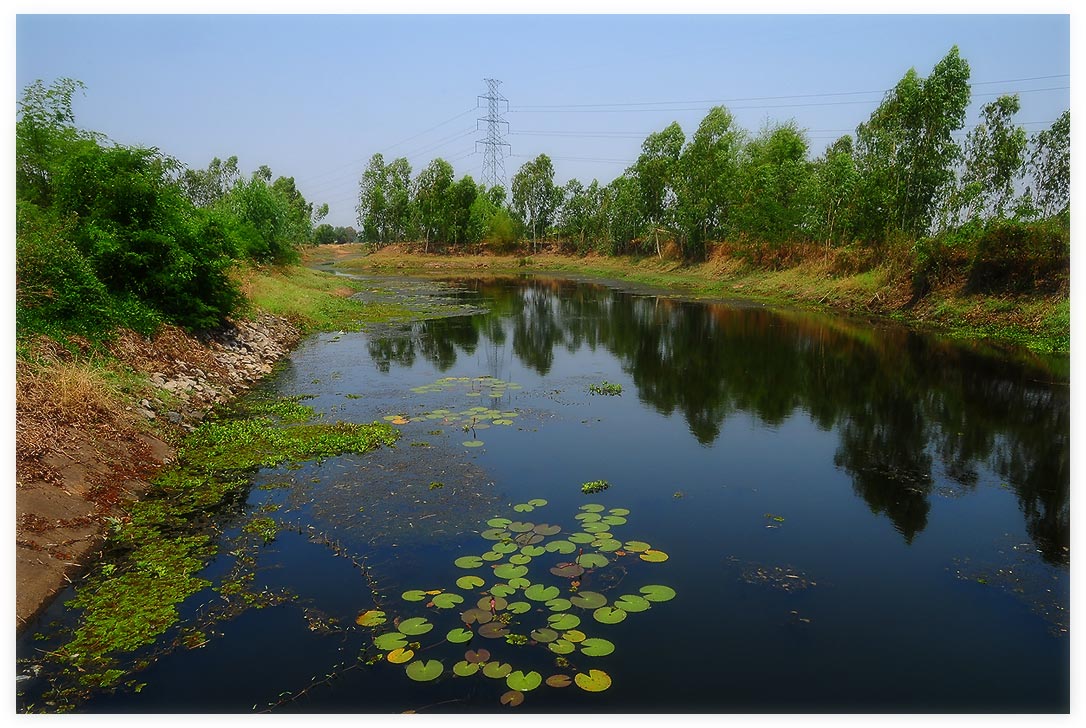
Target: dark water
856	519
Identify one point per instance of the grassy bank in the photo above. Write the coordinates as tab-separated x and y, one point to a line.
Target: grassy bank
817	279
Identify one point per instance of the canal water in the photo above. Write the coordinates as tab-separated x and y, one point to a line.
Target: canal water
787	512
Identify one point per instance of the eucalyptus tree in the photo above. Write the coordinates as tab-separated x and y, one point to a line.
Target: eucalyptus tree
400	203
432	188
575	216
831	191
621	207
462	196
772	174
658	175
1050	167
373	201
535	196
205	187
994	159
906	153
45	133
709	165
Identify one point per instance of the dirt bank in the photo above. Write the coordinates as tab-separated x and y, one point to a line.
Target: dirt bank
92	430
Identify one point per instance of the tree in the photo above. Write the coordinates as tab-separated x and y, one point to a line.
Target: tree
709	168
575	213
831	190
205	187
535	196
621	206
298	222
462	196
432	199
772	173
906	153
994	159
1050	167
45	133
658	172
373	202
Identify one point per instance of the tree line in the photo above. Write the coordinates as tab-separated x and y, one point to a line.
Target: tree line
110	235
902	176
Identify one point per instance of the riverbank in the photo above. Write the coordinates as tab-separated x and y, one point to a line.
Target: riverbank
1038	321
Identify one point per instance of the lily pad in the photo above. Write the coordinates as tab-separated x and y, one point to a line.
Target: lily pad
469	582
658	593
519	583
594	681
370	618
567	571
613	520
424	670
540	593
502	421
590	561
533	551
609	615
561	647
588	600
607	544
519	607
632	603
561	547
493	630
448	600
581	538
494	534
468	562
597	647
591	507
619	511
527	539
558	681
390	641
544	634
415	626
522	681
547	529
472	443
498	522
595	527
563	622
537	502
636	546
520	526
477	656
574	635
512	698
400	655
523	508
499	603
504	590
520	559
413	595
559	604
588	517
510	571
492	556
653	555
504	548
497	669
475	615
459	635
465	668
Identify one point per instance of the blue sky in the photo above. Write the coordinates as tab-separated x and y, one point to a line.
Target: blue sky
314	96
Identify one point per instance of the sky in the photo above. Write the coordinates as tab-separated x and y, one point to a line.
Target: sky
314	96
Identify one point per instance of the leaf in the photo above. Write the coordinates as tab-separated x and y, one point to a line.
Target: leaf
493	630
574	636
459	635
559	681
448	600
465	668
526	539
582	538
561	547
537	502
653	555
491	556
424	670
524	681
562	622
547	529
520	559
499	603
632	603
497	670
415	626
619	511
512	698
544	634
390	641
588	517
533	551
559	604
472	443
504	590
591	507
597	647
561	647
540	593
594	681
588	600
477	656
519	607
400	655
413	595
468	562
498	522
567	571
520	526
370	618
523	508
595	528
471	616
519	583
609	615
494	534
590	561
469	582
502	421
607	544
658	593
510	571
613	520
636	546
504	548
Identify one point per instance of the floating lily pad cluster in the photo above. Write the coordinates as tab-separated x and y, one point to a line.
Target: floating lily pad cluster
537	586
473	418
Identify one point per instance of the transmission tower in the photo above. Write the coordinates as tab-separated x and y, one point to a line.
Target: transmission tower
494	145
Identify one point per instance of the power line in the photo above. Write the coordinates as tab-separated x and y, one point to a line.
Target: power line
494	145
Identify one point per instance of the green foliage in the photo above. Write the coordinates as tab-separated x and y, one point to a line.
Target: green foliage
535	196
994	158
1050	168
772	173
595	486
607	388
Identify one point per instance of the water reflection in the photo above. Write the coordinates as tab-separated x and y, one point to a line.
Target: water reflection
910	411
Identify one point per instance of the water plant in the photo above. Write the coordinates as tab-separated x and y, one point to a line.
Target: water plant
609	389
594	486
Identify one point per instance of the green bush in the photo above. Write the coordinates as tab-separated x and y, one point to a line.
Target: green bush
1019	256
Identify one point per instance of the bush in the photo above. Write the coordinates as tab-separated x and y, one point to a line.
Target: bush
1016	256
